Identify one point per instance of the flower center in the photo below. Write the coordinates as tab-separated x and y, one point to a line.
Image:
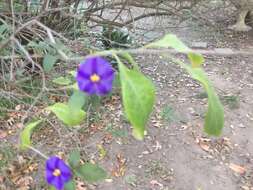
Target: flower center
95	78
57	172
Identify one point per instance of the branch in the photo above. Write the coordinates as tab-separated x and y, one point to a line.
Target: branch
208	52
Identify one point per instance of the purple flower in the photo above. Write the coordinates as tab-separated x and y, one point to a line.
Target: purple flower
57	172
95	75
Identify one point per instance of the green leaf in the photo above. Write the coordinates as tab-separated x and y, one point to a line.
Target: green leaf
77	100
45	46
73	86
60	46
25	136
170	40
72	73
214	120
116	81
130	59
67	115
62	81
102	151
196	59
91	172
138	95
70	185
74	158
48	62
4	27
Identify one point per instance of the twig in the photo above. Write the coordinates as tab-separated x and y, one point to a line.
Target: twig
51	38
37	151
42	74
2	45
13	46
208	52
217	52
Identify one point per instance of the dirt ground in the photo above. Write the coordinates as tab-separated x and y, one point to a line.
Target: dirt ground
176	154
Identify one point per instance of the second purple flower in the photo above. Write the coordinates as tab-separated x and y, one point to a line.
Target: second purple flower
95	75
58	173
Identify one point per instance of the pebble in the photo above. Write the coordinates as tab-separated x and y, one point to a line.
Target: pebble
201	45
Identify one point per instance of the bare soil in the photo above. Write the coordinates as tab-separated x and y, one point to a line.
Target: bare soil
176	154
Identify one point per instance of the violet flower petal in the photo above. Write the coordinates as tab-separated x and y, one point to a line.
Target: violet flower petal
53	164
105	76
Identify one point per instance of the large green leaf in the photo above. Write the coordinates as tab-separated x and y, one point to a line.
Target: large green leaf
138	95
25	136
73	86
196	59
77	100
214	120
91	172
72	73
74	158
172	41
70	185
130	60
49	61
67	115
62	81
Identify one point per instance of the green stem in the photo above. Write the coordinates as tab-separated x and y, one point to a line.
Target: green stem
38	152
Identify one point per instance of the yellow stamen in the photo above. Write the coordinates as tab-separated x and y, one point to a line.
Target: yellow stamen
94	78
57	172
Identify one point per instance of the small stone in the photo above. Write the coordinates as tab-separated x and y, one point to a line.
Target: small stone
109	180
223	50
241	125
201	45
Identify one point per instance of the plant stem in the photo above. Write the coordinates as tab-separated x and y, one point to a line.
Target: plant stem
38	152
